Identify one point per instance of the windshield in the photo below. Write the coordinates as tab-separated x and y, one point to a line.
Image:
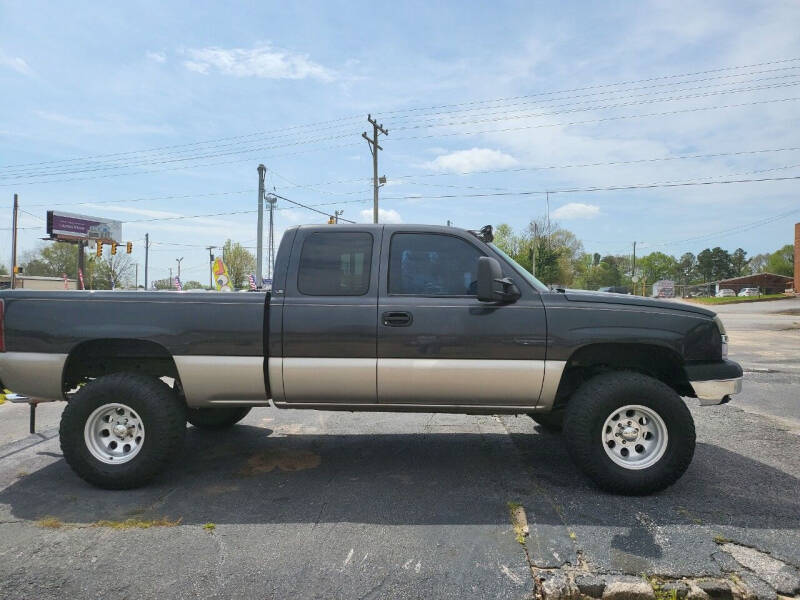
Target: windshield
538	285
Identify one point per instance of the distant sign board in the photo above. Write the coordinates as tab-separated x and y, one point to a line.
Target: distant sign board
69	226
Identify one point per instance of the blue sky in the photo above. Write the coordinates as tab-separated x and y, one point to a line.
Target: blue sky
211	90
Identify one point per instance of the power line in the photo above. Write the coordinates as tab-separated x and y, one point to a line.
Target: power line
306	206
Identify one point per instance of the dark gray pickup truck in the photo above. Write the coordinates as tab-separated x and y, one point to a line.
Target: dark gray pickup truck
371	317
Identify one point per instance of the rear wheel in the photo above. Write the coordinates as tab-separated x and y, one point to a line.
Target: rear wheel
217	417
122	429
630	433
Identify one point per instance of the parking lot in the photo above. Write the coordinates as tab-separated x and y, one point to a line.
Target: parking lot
309	504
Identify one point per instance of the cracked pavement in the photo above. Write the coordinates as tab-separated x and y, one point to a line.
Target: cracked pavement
309	504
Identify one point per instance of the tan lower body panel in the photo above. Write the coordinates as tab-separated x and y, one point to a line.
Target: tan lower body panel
434	381
33	374
329	380
209	380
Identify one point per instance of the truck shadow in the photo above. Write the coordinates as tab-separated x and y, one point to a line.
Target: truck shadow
246	475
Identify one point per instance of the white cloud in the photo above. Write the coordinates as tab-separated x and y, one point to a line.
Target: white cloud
158	57
476	159
15	63
576	210
262	61
389	216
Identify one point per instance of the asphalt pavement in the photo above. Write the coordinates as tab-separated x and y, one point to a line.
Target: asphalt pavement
307	504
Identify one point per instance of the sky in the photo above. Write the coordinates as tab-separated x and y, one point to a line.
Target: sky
153	112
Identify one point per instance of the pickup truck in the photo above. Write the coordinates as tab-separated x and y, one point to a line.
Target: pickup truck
371	318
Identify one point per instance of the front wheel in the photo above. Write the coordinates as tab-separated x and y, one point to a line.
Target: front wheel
630	433
122	429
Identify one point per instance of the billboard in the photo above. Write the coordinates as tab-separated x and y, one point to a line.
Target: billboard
69	226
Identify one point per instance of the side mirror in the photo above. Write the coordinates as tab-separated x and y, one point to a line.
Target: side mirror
492	286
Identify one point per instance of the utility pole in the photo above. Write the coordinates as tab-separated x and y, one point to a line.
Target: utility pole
178	260
136	278
633	266
81	256
336	215
170	276
270	241
449	223
533	250
14	244
210	266
374	147
146	256
262	170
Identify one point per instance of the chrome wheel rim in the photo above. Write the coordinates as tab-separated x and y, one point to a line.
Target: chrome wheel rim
114	433
634	437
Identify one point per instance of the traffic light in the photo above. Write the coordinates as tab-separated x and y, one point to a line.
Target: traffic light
18	270
129	247
99	248
113	247
331	221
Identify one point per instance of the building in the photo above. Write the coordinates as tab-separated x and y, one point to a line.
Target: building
767	283
35	282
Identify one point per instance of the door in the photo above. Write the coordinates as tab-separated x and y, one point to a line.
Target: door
329	317
439	345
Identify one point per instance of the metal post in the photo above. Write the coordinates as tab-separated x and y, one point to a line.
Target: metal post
136	278
271	241
262	170
146	255
14	244
633	266
210	266
178	260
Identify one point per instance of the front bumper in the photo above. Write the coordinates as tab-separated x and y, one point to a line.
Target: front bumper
714	382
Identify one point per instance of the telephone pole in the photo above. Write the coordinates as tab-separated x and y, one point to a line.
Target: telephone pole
178	260
633	267
262	170
374	147
336	215
146	256
210	266
14	244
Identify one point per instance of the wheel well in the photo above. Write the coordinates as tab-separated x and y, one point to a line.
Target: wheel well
95	358
656	361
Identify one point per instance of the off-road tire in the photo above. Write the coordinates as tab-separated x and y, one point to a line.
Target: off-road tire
552	422
216	418
595	401
162	414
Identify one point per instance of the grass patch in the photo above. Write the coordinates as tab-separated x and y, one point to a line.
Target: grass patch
718	539
138	523
209	527
737	299
519	521
661	593
50	523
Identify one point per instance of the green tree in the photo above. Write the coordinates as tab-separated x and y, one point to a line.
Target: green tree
758	263
739	262
52	260
193	285
3	270
657	265
687	268
781	262
705	265
721	259
240	262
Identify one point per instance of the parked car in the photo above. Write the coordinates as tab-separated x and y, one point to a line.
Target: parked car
749	292
371	318
725	293
615	289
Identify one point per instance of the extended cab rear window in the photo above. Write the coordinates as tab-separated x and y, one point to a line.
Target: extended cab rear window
335	264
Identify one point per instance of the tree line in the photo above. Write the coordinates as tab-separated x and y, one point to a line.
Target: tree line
55	259
560	258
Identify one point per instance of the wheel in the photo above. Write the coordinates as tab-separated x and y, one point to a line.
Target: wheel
121	430
630	433
216	418
552	422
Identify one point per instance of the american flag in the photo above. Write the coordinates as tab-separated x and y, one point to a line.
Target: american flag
252	279
178	285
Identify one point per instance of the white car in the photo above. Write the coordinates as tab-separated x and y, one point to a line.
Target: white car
726	293
749	292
